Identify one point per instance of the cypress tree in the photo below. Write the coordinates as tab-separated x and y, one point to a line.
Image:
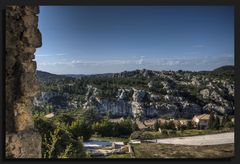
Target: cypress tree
216	123
211	121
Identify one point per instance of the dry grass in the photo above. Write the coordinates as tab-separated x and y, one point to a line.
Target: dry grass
153	150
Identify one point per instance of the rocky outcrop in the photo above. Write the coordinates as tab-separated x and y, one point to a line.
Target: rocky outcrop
159	94
23	144
117	108
189	110
205	93
218	109
22	39
141	107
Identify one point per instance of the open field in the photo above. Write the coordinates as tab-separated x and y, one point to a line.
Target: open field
212	139
153	150
119	156
189	132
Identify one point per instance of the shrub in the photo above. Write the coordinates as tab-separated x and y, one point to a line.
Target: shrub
136	135
229	124
172	132
109	129
80	128
157	125
164	132
183	127
189	125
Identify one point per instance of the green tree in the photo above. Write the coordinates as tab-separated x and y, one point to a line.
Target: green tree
171	125
211	121
135	126
216	123
189	125
80	128
65	118
157	125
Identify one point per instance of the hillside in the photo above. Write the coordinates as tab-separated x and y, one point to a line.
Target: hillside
224	68
47	77
142	93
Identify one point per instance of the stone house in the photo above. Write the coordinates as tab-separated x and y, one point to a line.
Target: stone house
201	120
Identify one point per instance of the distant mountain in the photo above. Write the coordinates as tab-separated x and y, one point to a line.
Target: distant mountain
46	76
225	68
78	76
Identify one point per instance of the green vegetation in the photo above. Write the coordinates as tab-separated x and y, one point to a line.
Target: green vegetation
115	139
152	150
145	135
64	134
119	156
106	128
58	143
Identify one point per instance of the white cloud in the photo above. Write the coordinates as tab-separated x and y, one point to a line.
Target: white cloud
60	54
113	65
140	61
47	55
42	55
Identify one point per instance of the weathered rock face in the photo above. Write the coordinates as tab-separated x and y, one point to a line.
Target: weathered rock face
218	109
24	144
190	109
205	93
143	105
22	39
140	96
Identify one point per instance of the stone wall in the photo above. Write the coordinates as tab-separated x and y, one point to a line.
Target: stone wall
22	39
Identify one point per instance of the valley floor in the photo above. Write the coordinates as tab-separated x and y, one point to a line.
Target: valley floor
212	139
203	146
163	151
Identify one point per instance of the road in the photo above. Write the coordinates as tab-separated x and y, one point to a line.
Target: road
212	139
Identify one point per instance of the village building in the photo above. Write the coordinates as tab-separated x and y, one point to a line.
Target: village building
201	120
117	145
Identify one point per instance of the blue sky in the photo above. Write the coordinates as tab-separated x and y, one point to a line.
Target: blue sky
104	39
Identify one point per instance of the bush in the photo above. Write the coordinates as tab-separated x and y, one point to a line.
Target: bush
164	132
189	125
229	124
65	118
183	127
136	135
80	128
61	145
44	127
57	142
157	125
172	132
109	129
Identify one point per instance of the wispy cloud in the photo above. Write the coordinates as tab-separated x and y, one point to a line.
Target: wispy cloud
60	54
51	55
42	55
140	61
97	66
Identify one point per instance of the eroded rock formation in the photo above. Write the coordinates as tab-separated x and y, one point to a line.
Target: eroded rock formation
22	39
